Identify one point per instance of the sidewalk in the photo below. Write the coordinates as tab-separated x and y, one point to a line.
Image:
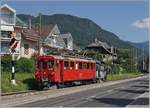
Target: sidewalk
140	102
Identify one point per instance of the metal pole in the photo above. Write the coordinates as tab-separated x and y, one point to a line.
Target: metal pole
143	60
13	81
39	33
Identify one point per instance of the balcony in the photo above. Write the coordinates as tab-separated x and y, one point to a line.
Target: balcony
7	19
5	48
6	36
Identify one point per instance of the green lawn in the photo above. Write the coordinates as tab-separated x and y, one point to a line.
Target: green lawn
25	81
112	77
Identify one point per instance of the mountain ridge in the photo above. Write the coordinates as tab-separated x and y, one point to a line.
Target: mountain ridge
141	45
83	30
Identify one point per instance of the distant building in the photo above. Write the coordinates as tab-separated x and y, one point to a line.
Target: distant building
108	52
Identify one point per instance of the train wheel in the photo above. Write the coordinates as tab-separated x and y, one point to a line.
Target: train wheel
40	86
59	85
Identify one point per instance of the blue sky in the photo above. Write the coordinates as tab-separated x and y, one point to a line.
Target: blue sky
115	16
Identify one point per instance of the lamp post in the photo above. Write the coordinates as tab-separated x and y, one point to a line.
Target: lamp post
39	29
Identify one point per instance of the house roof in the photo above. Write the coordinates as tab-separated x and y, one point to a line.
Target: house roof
60	41
45	30
20	23
99	44
30	34
6	6
66	35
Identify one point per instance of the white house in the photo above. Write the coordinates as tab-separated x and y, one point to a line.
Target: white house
8	21
68	40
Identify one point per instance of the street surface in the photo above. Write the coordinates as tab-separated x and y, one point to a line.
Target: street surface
117	95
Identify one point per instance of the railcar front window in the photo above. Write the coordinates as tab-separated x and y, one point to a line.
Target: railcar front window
44	65
38	64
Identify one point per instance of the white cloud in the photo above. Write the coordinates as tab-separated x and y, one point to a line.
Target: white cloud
145	23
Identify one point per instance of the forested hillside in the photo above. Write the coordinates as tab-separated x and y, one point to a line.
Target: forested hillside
83	30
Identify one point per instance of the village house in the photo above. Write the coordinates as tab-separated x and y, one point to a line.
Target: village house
108	52
31	40
8	22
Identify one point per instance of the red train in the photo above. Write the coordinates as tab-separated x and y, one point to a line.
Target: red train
58	70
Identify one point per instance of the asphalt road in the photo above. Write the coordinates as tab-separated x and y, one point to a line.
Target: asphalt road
118	95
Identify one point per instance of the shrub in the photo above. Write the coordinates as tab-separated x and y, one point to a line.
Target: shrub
25	65
6	64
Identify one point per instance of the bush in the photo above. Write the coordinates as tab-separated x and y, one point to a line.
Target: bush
25	65
6	64
22	65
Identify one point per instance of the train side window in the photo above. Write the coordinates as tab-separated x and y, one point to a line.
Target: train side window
76	66
51	65
91	66
72	65
88	66
66	65
80	65
85	65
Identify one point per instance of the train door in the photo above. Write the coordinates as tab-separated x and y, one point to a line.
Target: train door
60	70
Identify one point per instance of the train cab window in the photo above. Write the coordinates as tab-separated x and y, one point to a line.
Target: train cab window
92	66
44	66
66	65
72	65
51	65
38	65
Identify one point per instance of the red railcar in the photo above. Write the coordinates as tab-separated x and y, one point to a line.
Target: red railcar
57	70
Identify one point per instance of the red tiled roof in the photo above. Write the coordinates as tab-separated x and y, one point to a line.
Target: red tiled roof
30	34
46	29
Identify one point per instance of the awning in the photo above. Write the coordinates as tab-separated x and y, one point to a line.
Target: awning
7	28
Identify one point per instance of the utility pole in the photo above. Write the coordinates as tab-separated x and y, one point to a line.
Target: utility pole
39	43
143	60
13	81
136	59
13	45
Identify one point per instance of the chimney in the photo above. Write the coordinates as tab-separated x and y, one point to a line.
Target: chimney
29	24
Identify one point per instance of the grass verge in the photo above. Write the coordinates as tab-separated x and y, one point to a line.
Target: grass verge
25	81
112	77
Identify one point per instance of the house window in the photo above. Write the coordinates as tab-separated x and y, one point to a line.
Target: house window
36	48
26	49
5	47
6	34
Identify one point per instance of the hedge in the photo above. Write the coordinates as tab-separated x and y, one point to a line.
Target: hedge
22	65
